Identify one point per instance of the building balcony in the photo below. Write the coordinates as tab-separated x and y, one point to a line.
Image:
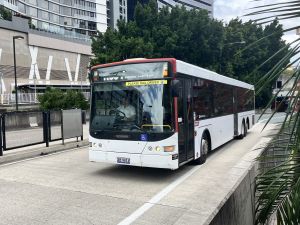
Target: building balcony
82	17
9	5
87	8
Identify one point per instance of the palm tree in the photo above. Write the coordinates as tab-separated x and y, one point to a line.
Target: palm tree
278	182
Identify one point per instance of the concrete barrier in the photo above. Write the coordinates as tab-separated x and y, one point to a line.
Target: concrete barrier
23	120
238	206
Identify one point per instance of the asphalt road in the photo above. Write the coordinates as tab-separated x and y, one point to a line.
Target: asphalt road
66	188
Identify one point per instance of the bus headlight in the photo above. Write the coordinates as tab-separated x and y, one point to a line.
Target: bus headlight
169	148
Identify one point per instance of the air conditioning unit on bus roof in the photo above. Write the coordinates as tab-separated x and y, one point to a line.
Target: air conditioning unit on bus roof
133	59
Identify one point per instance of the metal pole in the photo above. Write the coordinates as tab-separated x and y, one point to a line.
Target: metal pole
15	69
1	146
1	93
1	78
81	79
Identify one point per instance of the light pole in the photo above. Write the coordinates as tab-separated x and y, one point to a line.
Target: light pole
15	68
81	79
221	50
1	78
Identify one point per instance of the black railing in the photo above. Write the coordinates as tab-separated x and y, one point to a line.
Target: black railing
23	129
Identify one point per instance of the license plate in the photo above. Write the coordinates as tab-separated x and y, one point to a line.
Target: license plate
123	160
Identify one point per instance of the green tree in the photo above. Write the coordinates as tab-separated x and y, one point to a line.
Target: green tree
278	183
194	37
56	99
5	14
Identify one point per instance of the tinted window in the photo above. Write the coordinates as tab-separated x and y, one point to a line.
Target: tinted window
203	98
223	99
245	99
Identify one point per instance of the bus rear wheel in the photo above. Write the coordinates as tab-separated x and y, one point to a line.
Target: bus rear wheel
204	149
243	131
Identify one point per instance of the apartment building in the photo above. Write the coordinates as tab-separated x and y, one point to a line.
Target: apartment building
189	4
116	10
71	18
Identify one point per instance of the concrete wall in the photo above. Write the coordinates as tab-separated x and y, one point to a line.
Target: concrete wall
20	120
238	207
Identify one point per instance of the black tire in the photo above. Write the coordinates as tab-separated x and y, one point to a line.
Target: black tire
204	149
246	130
243	130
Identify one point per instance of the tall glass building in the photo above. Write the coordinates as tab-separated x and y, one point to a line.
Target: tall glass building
71	18
189	4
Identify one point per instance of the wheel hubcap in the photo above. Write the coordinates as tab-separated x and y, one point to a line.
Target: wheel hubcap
204	146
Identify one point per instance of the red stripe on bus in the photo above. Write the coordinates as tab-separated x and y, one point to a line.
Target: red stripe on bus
134	61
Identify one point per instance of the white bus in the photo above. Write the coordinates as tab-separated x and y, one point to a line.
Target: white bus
174	113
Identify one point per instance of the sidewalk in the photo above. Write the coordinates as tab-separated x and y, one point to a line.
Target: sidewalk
41	149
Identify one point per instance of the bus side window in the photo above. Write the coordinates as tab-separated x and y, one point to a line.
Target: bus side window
202	99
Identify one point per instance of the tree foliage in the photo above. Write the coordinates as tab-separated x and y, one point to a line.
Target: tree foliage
5	14
56	99
278	180
194	37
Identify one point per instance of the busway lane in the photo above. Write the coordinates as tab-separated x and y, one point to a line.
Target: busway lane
66	188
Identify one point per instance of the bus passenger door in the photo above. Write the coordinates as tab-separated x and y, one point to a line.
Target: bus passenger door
185	121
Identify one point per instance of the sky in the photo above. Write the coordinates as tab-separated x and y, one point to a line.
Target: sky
229	9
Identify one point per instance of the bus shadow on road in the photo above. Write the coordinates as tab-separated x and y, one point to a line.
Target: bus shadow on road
141	173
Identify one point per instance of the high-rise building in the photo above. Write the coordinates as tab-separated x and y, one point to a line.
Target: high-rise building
189	4
131	4
73	18
116	10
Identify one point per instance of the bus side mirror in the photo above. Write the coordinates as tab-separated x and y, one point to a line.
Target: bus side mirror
175	86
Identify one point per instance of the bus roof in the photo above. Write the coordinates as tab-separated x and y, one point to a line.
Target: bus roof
184	68
196	71
136	60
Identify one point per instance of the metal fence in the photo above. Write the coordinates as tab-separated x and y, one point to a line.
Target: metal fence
22	129
26	98
23	98
55	125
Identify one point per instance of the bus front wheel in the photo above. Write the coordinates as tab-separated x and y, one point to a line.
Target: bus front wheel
204	149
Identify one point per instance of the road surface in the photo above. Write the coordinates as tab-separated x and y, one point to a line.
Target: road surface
66	188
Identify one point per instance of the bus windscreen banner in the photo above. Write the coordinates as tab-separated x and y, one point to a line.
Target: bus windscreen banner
146	82
127	72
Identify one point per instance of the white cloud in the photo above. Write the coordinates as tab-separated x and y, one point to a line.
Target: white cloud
229	9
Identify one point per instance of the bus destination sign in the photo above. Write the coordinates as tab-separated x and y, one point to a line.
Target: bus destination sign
130	72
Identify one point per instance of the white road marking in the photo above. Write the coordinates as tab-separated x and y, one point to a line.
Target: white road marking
156	198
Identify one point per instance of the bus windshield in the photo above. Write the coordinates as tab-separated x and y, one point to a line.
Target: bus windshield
135	106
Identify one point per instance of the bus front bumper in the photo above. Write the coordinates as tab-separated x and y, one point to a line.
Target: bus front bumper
143	160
